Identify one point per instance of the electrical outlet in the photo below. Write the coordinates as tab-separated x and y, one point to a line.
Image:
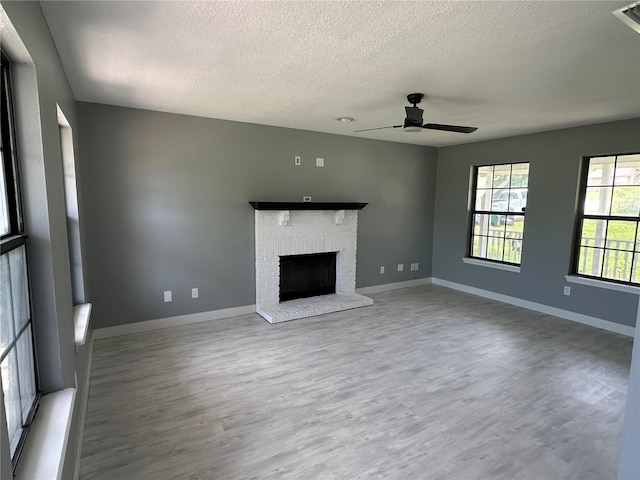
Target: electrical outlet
167	296
319	162
306	199
194	293
382	269
296	160
400	267
567	290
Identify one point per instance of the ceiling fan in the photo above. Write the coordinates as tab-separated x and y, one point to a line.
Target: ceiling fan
413	122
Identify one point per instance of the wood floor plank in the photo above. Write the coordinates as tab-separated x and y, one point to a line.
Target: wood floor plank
426	383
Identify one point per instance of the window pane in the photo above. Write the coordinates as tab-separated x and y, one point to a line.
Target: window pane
481	224
483	199
513	251
497	231
479	248
26	369
593	233
590	261
509	200
6	305
635	274
4	206
621	235
627	170
485	177
514	234
520	175
515	223
19	287
11	390
601	171
499	200
626	201
501	176
598	200
495	249
617	265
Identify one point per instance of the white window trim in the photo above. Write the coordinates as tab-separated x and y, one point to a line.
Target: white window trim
592	282
488	264
81	315
44	451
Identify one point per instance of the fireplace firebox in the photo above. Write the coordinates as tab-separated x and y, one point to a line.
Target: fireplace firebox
307	275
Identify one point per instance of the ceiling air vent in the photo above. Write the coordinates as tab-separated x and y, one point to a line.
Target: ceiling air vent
630	15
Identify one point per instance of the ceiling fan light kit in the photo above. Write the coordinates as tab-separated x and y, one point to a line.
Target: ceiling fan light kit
413	120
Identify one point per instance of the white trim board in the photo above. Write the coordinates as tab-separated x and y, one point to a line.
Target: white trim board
539	307
137	327
46	446
83	410
394	286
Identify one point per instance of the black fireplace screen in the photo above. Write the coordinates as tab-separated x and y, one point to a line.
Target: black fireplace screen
307	275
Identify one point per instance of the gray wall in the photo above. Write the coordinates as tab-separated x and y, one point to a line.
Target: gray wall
39	87
555	159
166	195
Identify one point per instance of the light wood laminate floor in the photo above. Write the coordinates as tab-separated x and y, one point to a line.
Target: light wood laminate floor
428	383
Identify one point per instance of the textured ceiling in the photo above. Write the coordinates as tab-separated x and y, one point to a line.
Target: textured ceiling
506	67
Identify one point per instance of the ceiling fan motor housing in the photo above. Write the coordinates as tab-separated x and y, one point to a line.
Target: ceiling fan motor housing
415	98
413	121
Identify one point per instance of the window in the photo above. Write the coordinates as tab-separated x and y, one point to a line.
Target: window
497	216
17	362
608	239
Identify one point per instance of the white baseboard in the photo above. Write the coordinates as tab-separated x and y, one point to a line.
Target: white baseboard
137	327
148	325
539	307
393	286
84	398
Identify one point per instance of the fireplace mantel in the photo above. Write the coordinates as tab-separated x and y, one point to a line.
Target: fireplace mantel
308	205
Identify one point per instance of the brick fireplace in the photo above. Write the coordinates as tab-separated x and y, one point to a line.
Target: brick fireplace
287	229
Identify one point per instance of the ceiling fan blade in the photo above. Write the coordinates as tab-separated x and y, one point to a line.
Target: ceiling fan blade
379	128
450	128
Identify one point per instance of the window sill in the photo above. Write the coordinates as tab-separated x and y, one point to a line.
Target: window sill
602	284
44	452
81	314
498	266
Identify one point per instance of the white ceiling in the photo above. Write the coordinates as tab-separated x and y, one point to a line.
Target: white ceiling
507	67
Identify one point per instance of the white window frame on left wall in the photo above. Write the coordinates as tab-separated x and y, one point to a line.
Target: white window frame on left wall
19	379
